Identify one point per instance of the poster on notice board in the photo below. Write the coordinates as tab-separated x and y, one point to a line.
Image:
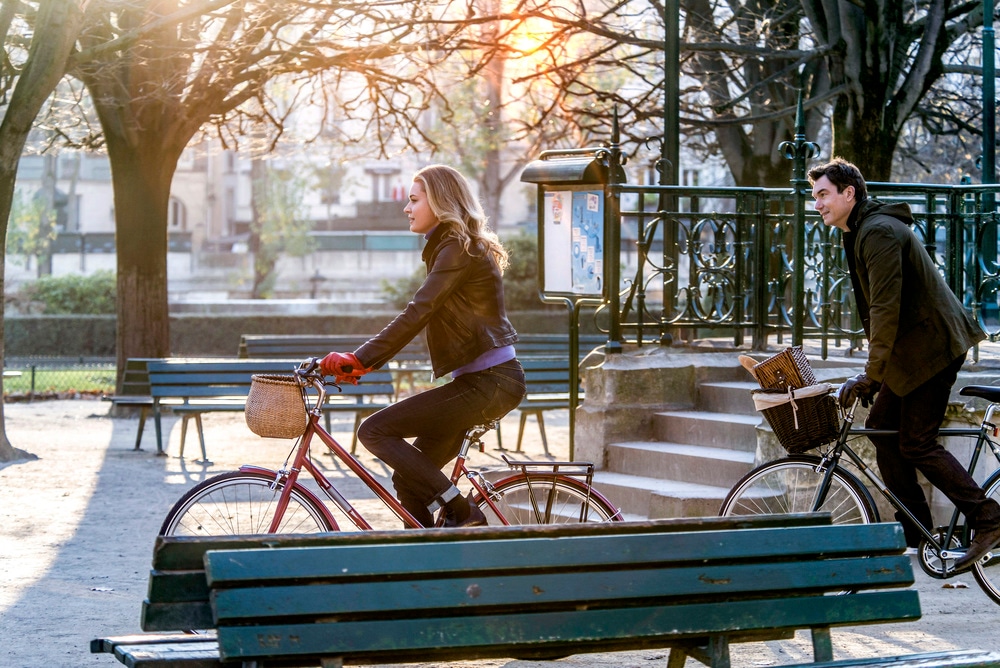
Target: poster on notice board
573	238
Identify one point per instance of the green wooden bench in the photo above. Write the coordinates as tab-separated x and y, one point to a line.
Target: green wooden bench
191	388
135	392
695	586
546	381
556	345
412	360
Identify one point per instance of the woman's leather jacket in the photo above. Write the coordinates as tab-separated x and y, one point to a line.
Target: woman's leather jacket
460	304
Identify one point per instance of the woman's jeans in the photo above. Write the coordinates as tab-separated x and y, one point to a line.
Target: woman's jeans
436	421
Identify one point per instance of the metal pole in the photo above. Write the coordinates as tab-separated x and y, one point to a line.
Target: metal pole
798	151
989	96
671	93
989	241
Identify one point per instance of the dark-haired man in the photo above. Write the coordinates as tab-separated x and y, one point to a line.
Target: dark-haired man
919	334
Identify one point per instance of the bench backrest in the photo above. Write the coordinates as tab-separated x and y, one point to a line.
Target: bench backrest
546	375
556	345
178	592
135	377
193	379
301	346
420	601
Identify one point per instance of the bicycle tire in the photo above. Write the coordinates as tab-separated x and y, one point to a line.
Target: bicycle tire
241	503
987	571
546	499
788	485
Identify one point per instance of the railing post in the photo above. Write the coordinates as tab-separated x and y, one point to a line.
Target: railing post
613	236
799	151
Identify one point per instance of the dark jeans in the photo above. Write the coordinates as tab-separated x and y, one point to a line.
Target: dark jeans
918	417
436	420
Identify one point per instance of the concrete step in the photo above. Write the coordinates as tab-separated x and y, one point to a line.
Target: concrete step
655	498
719	430
674	461
727	397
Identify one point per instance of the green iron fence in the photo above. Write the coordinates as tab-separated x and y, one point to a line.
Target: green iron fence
723	261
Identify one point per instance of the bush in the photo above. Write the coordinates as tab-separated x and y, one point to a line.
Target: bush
92	295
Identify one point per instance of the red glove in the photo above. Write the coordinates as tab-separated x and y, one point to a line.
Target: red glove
344	366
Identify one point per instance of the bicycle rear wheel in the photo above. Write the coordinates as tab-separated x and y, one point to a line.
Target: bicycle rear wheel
790	485
241	503
987	570
546	499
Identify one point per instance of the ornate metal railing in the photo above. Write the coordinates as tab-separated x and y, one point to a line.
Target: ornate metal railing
721	262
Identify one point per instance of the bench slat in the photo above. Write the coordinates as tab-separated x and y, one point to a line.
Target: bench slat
375	561
610	586
487	636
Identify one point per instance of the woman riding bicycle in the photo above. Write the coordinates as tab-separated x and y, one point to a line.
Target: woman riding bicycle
461	306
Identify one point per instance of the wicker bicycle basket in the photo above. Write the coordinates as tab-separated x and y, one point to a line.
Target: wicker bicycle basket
801	419
789	368
275	407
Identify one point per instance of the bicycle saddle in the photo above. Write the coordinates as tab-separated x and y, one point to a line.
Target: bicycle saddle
988	392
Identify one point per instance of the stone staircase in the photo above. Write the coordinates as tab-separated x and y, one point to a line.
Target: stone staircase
698	455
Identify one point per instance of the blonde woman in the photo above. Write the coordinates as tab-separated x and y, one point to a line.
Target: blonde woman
460	305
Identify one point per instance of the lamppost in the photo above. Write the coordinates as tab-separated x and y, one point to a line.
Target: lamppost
798	151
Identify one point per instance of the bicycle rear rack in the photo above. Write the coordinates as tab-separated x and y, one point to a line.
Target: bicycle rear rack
583	470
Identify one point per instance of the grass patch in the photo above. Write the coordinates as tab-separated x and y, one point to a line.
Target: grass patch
89	380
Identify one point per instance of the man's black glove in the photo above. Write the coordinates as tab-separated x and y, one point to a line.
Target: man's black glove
860	387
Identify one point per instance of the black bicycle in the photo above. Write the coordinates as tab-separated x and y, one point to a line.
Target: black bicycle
821	482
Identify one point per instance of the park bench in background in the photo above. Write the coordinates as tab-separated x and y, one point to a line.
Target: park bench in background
695	586
413	359
191	388
545	358
546	381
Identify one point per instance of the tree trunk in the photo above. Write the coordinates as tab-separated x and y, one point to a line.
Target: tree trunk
141	194
55	31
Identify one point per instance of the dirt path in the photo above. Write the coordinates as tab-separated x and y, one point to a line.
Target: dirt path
77	528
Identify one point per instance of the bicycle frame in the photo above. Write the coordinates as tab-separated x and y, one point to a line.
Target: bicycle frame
287	477
831	460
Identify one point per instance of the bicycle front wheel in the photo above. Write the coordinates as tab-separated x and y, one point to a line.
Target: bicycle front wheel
546	499
791	484
241	503
987	571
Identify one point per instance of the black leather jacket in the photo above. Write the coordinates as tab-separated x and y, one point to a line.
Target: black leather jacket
460	303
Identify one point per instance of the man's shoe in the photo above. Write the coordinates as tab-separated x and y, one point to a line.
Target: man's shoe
982	542
476	518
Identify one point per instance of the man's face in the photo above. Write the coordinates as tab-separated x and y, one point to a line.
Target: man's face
835	207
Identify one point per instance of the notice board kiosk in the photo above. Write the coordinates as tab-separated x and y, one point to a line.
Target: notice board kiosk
578	242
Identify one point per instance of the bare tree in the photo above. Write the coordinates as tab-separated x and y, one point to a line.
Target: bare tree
864	67
35	60
208	64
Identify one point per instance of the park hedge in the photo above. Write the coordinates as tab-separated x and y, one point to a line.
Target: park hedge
210	335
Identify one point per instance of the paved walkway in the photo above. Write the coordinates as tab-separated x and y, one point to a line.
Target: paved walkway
77	528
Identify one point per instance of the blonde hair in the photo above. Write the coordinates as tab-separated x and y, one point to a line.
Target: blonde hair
451	200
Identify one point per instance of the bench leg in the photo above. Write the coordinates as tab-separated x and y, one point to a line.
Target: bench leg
159	431
541	429
184	431
677	658
142	423
822	644
201	436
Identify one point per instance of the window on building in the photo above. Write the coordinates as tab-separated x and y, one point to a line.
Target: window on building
177	215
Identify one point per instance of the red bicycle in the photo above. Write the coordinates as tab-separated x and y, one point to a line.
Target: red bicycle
256	500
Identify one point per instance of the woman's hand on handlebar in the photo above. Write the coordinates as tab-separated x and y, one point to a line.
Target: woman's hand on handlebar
345	367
